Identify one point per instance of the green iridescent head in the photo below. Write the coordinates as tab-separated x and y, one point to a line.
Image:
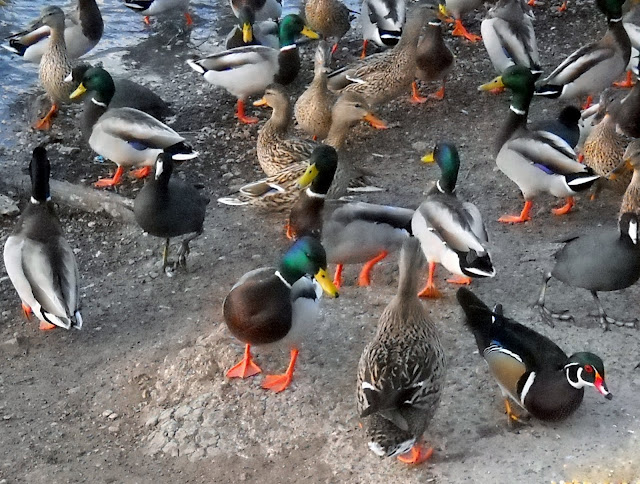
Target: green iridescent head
520	81
586	369
307	257
97	80
447	158
291	26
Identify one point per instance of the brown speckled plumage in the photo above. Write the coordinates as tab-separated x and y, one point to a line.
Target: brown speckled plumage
330	18
55	65
631	198
401	372
434	60
603	151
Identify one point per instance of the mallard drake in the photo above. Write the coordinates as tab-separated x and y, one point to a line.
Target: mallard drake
330	18
530	369
384	76
306	213
537	161
401	373
39	261
270	305
602	260
451	232
250	32
126	136
54	65
508	35
244	71
279	191
260	9
457	8
630	161
128	94
82	31
150	8
595	66
313	107
382	22
167	207
434	60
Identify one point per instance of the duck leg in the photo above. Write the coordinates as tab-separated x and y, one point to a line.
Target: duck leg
165	254
147	20
429	289
245	368
184	249
364	279
563	7
141	172
548	316
26	311
417	455
46	326
289	231
459	30
242	117
566	208
439	94
416	98
364	49
512	416
463	280
334	48
605	320
627	83
278	383
518	219
110	182
188	18
44	124
337	278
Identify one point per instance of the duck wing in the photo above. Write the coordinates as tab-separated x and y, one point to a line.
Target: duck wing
137	127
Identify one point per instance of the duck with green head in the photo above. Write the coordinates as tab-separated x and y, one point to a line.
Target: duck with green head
593	67
248	70
270	305
250	32
537	161
451	232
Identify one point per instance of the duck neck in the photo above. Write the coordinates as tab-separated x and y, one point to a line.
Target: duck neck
287	274
338	132
619	33
90	19
516	119
40	183
281	117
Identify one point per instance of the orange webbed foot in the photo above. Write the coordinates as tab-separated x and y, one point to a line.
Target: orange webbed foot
337	278
417	455
438	95
518	219
141	172
563	7
566	208
188	18
147	20
430	291
245	368
44	326
247	119
462	280
110	182
277	383
416	98
460	31
364	279
26	311
628	83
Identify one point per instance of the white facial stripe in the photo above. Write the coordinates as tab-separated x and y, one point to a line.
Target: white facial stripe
95	101
159	168
312	194
279	276
633	231
527	387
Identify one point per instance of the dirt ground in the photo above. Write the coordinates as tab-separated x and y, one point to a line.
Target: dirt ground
139	395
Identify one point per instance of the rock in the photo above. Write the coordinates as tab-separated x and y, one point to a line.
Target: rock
152	421
8	206
182	412
157	443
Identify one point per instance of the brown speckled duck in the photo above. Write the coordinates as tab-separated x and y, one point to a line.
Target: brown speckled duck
630	162
401	372
330	18
434	60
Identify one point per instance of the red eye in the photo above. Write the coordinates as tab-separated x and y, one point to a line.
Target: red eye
588	368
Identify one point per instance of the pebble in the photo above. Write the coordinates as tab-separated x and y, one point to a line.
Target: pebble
152	421
8	206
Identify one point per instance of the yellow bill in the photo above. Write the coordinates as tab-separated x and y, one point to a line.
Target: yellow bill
375	121
78	92
309	175
494	84
325	283
260	102
428	158
443	10
309	33
247	33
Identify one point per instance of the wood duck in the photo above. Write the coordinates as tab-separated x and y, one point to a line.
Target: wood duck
168	207
270	305
530	369
401	372
601	260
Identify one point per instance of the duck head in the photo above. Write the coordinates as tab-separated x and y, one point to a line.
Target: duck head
352	107
447	158
39	171
586	369
307	256
322	167
291	26
628	225
247	17
611	8
520	81
51	16
98	80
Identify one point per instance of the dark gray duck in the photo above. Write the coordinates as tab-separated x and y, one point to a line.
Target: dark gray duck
167	207
602	260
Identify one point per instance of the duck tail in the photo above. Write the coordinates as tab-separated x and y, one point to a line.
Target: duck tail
411	261
579	182
478	265
16	47
479	317
181	151
138	4
552	91
76	320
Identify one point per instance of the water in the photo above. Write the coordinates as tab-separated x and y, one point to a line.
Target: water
124	34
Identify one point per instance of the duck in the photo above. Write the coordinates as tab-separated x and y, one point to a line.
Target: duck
305	217
55	65
330	18
600	260
382	22
279	190
508	36
566	125
127	94
631	23
456	9
40	262
434	61
451	232
631	162
384	76
248	70
532	371
625	112
260	9
537	161
126	136
604	148
250	32
278	305
402	371
83	30
313	108
168	207
150	8
593	67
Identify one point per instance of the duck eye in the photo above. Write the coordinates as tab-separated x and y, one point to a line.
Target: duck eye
358	105
588	368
